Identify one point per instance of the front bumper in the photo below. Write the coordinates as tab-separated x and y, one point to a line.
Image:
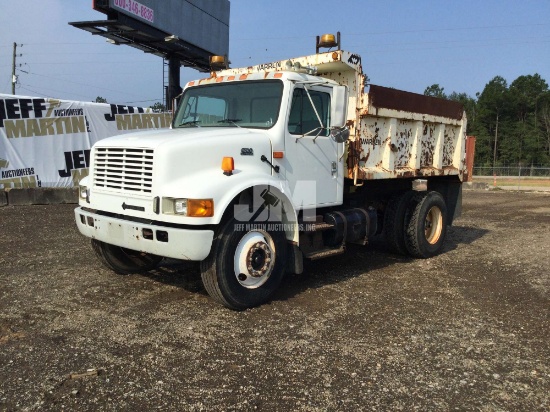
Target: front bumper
186	244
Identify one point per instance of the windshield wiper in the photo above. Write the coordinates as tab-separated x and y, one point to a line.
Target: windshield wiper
190	122
232	121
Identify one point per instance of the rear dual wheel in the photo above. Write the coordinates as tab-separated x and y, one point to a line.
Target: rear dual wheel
425	224
394	221
415	223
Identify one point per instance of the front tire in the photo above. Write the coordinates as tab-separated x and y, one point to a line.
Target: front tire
426	225
245	265
124	261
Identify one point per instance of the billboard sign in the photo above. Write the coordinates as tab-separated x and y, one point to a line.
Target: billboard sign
203	24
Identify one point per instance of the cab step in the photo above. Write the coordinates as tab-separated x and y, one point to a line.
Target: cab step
317	227
323	253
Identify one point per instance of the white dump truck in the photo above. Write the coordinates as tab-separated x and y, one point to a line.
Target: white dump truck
268	165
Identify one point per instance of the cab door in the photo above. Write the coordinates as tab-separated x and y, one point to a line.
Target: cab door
313	168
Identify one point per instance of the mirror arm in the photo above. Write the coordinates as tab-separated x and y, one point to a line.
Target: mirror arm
318	134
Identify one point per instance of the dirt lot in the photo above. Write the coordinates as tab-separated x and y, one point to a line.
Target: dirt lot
467	330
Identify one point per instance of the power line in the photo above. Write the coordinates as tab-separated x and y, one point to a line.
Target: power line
143	101
81	84
308	37
455	47
45	95
500	41
86	52
507	26
35	92
25	87
451	44
56	44
442	45
95	62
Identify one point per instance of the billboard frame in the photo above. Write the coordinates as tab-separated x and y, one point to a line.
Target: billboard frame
121	28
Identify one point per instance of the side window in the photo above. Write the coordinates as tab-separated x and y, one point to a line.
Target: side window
302	119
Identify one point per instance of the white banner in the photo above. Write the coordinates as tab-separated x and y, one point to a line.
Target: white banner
46	142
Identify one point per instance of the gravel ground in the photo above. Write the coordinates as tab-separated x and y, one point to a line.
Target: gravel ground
368	330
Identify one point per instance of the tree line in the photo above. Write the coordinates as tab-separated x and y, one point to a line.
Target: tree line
511	122
158	107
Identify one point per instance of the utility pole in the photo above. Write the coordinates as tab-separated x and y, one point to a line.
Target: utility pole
13	77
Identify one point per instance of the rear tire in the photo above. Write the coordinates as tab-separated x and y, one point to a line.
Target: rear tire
426	224
245	267
124	261
394	222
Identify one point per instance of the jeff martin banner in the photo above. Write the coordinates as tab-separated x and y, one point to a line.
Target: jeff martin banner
46	142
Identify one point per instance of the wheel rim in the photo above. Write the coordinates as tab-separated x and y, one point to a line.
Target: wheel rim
254	259
433	225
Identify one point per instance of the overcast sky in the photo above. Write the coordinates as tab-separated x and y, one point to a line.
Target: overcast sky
409	45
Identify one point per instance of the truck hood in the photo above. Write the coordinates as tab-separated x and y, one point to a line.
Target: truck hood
190	135
186	161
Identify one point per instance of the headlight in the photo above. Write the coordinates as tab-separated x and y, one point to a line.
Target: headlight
180	206
190	207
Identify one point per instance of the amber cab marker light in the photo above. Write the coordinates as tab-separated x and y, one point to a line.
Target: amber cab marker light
278	155
228	165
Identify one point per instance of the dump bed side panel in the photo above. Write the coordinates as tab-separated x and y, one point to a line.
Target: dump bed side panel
402	134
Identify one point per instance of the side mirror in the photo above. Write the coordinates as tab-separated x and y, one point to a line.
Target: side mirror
340	135
339	107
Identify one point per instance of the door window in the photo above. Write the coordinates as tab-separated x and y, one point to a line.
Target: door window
302	119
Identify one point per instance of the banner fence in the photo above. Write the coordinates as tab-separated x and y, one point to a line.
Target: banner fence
46	142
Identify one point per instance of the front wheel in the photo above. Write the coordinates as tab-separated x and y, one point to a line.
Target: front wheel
246	264
426	225
124	261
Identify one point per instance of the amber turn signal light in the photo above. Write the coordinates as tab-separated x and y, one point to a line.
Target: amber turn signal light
200	207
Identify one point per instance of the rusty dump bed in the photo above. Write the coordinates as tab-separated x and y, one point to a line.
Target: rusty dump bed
402	134
384	97
393	134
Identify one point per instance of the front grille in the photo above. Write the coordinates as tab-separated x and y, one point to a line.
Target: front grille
123	169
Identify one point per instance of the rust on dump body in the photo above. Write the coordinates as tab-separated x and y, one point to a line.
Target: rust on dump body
384	97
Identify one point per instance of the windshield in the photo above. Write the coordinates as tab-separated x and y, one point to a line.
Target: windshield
238	104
